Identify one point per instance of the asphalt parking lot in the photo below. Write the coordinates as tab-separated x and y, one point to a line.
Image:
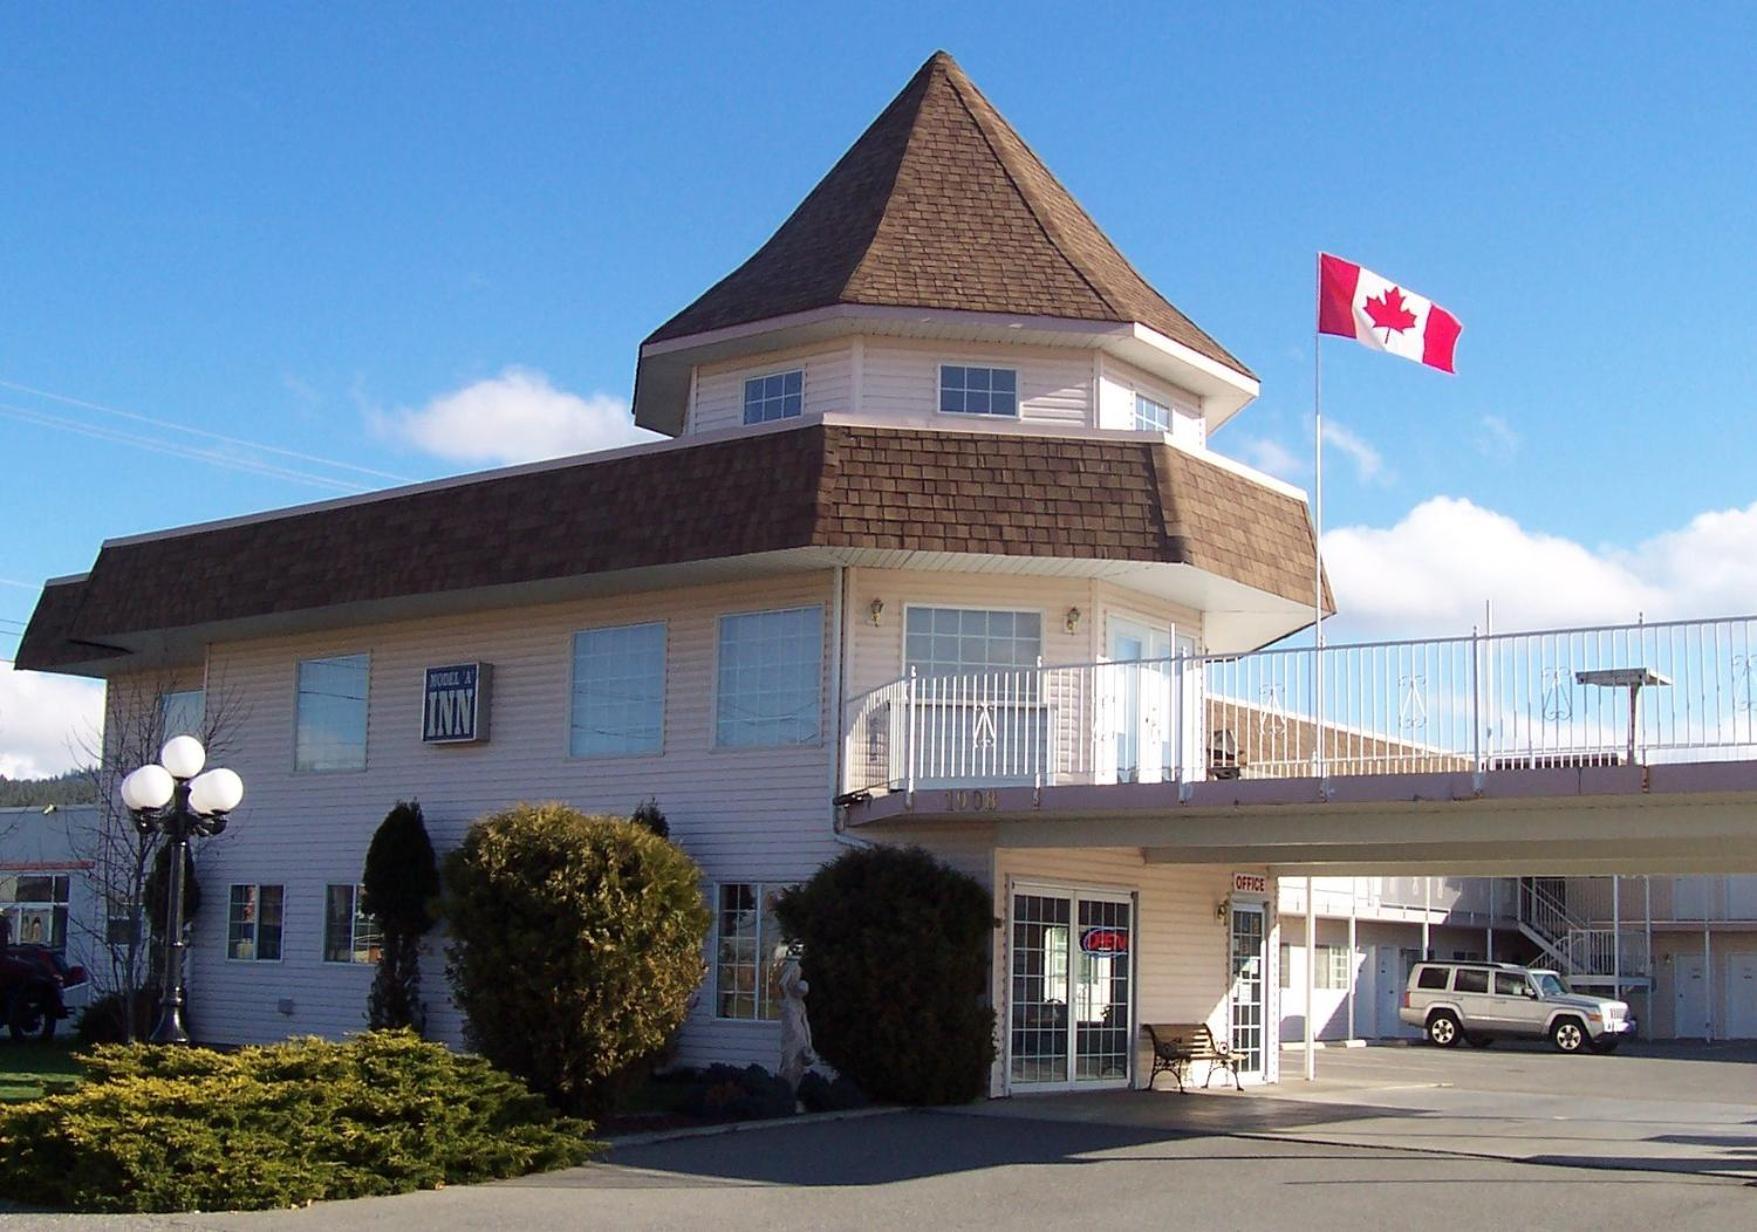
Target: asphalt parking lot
1497	1139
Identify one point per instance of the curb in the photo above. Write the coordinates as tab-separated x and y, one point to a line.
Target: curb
740	1127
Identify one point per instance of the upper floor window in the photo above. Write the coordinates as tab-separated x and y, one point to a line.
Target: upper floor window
618	691
253	923
780	395
1151	415
944	641
979	391
770	678
183	713
330	728
349	934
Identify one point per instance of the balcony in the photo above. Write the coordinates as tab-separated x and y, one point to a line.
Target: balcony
1561	699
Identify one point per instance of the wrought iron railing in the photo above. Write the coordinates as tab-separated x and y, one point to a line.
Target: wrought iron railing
1607	695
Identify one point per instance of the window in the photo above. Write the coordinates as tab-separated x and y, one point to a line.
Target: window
122	930
749	952
979	391
945	641
618	691
1332	967
183	713
34	906
253	923
1509	984
780	395
770	678
1286	966
1432	978
330	730
1151	415
348	935
1467	980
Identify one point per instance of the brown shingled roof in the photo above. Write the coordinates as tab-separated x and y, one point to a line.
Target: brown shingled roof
817	485
940	204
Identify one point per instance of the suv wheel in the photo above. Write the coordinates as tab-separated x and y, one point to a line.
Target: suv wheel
1605	1043
29	1015
1443	1030
1477	1039
1568	1035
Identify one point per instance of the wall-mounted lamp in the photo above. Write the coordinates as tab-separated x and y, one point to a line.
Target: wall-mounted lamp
1221	909
874	610
1073	620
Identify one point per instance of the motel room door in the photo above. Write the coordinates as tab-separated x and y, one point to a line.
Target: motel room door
1248	1000
1071	1007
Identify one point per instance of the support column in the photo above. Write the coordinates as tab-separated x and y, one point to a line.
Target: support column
1427	912
1353	954
1311	981
1616	937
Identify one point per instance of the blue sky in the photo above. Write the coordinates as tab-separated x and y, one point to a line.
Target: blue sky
294	225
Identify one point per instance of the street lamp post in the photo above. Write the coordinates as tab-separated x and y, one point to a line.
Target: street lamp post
174	798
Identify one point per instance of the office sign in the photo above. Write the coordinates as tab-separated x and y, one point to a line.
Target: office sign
454	707
1250	883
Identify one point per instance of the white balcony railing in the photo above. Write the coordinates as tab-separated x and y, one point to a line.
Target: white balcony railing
1610	695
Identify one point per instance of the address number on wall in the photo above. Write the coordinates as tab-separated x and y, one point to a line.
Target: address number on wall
972	801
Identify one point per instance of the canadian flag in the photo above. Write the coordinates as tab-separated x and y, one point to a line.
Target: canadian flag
1357	303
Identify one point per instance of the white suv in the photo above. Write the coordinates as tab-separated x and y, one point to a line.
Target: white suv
1482	1002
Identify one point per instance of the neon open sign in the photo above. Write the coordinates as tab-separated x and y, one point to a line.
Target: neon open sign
1105	941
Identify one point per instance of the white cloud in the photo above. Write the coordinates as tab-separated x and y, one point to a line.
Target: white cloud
45	721
1431	572
1369	464
1496	439
1270	456
517	416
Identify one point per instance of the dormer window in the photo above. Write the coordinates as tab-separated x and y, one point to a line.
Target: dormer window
979	391
1151	416
779	395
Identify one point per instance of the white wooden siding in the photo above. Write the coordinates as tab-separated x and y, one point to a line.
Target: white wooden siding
1118	384
747	815
900	382
719	388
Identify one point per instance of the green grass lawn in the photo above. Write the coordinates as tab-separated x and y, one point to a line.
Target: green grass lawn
28	1071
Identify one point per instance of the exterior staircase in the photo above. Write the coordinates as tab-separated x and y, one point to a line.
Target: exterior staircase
1588	955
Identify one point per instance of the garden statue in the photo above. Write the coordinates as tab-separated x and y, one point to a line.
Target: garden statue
796	1053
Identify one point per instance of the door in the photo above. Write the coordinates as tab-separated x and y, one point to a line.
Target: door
1513	1007
1741	996
1140	701
1072	1001
1247	997
1689	997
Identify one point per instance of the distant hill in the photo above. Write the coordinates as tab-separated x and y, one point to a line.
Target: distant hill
74	787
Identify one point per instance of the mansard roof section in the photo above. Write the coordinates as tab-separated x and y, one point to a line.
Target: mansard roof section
806	496
941	205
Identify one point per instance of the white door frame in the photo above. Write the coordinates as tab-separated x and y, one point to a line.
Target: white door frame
1270	1036
1075	894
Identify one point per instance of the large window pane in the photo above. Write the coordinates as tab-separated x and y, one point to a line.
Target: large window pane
770	678
618	691
349	936
331	726
748	952
978	391
780	395
253	923
941	641
35	908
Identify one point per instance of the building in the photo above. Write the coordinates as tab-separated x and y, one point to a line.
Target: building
937	553
50	891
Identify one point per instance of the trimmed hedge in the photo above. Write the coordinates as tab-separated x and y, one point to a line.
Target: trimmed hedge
896	949
189	1129
576	946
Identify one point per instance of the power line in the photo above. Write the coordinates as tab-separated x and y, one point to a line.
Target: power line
202	432
49	419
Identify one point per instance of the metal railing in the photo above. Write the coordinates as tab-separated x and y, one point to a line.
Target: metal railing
1607	951
1607	695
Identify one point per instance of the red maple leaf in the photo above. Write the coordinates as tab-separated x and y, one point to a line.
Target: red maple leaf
1389	312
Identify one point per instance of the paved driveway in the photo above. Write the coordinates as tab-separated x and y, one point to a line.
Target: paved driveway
1332	1155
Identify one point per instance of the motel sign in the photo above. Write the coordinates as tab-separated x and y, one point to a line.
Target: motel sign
455	704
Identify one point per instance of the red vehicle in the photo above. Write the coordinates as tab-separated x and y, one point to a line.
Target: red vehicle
32	981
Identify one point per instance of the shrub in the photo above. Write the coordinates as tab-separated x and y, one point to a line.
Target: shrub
184	1129
727	1093
577	944
819	1094
650	815
401	892
896	949
102	1020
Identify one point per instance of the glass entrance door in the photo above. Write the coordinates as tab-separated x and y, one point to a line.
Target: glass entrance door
1072	998
1248	966
1141	705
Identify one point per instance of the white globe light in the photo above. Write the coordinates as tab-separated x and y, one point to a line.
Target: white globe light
149	787
183	756
217	791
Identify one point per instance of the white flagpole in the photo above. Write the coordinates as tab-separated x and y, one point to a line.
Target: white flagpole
1318	535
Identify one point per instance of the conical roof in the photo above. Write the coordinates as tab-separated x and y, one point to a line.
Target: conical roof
940	204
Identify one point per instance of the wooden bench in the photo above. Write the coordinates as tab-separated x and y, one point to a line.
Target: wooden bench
1177	1045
